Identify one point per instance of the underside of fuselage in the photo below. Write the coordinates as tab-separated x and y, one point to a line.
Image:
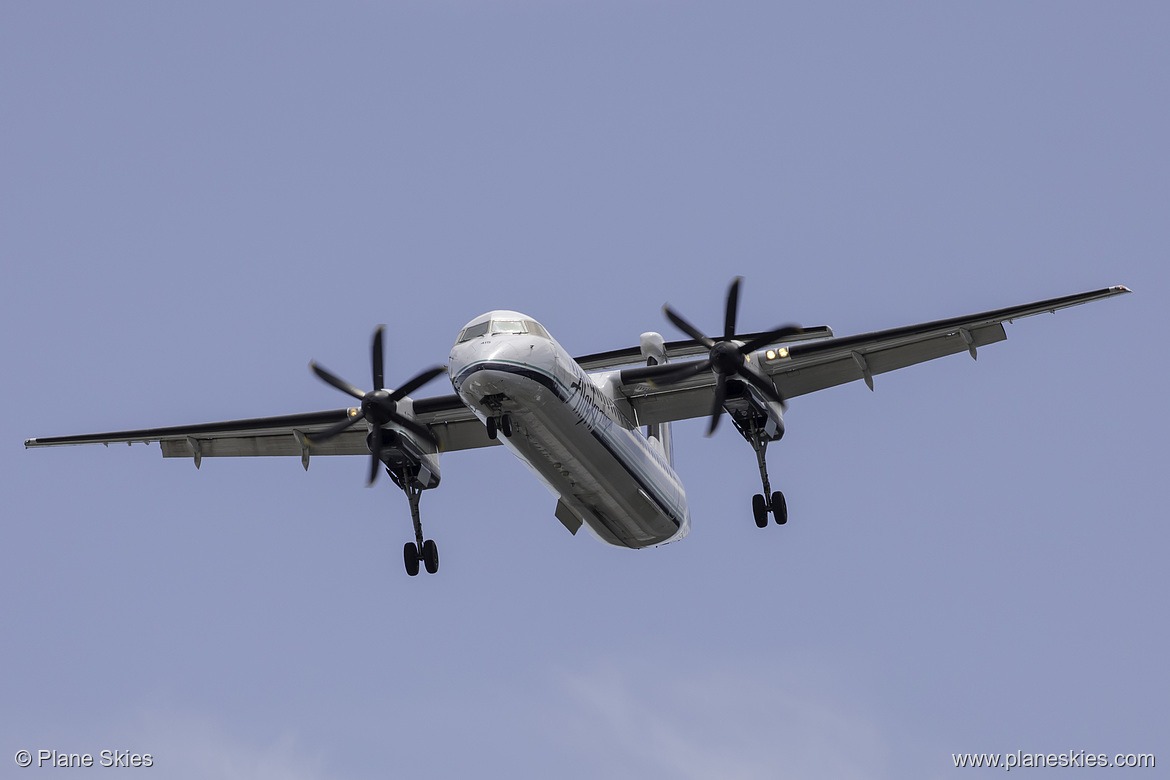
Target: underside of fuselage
570	435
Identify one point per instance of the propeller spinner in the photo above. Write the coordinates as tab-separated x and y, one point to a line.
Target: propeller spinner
379	406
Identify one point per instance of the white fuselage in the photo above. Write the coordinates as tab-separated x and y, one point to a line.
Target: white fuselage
570	432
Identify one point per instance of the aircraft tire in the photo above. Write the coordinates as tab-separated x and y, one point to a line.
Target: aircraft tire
779	508
506	425
760	510
491	426
410	557
430	556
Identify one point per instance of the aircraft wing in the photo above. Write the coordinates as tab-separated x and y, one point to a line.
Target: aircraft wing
798	369
452	423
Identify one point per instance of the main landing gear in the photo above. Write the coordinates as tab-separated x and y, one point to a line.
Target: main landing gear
408	451
419	551
751	399
766	502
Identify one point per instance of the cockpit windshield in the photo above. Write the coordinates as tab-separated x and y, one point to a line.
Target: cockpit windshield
473	330
476	329
508	326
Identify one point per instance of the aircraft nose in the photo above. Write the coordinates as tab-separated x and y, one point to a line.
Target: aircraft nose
506	350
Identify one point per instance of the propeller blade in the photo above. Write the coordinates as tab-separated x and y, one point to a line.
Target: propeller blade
379	402
687	327
376	356
375	448
717	406
779	334
329	433
337	382
416	383
415	427
732	308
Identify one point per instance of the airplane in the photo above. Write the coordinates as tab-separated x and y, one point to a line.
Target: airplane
596	429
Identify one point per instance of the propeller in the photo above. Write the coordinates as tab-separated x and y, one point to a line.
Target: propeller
379	406
726	358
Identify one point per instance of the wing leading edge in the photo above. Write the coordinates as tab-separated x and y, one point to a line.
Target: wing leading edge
805	368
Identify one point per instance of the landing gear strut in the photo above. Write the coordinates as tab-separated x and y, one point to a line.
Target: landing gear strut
420	550
767	502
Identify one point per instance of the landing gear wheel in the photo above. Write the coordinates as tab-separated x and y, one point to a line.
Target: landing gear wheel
760	510
779	508
410	557
491	426
506	425
430	556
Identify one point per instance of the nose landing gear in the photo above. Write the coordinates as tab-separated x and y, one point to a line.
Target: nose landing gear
501	424
498	421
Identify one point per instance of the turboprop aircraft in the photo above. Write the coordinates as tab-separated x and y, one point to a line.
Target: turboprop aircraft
594	429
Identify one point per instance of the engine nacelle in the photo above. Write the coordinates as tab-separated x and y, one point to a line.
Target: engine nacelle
749	410
408	460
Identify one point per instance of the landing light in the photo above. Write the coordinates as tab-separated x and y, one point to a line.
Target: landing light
772	354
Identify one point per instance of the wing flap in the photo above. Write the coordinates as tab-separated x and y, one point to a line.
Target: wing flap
653	404
453	424
461	435
842	367
287	443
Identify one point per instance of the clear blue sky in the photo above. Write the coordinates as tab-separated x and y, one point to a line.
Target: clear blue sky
195	200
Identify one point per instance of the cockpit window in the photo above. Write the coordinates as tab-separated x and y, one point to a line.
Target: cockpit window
502	326
535	329
508	326
473	330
